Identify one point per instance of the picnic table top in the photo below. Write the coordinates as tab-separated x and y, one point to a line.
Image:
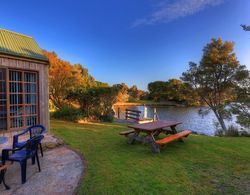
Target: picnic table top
152	126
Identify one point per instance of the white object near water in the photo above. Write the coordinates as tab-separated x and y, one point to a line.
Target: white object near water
145	112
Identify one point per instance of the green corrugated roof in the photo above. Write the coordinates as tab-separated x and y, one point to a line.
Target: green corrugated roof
20	45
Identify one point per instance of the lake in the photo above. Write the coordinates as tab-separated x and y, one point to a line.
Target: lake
189	117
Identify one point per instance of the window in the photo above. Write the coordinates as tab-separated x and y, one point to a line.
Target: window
21	108
3	100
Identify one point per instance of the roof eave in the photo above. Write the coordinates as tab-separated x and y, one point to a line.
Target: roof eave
19	57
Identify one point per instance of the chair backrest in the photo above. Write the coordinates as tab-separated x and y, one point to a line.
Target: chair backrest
36	130
32	144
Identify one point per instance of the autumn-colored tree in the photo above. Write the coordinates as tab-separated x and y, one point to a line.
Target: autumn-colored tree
101	84
216	76
122	92
64	77
60	79
81	74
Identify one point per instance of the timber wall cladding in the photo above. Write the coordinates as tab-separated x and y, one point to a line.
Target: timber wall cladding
43	93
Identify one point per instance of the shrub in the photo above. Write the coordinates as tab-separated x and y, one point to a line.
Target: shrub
95	102
68	113
107	118
232	131
219	132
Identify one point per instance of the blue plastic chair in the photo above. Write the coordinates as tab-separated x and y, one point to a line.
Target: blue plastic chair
34	130
22	154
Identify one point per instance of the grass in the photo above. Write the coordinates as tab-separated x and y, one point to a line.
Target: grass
200	165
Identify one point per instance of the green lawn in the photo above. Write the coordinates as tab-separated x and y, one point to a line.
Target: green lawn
200	165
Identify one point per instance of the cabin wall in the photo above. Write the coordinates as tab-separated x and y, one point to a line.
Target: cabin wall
43	92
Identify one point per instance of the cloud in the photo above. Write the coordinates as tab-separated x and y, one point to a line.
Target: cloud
167	11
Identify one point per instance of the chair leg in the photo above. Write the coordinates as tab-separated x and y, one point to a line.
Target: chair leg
23	171
41	149
2	179
38	163
33	160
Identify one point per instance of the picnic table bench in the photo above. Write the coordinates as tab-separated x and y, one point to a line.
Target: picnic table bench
152	130
127	132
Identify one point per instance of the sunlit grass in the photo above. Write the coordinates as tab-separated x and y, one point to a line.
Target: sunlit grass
200	165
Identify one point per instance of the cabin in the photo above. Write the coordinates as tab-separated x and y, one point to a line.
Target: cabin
24	94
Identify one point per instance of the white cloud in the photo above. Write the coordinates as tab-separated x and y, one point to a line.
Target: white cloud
167	11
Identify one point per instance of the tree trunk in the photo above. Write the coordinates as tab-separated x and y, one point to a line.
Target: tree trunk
221	121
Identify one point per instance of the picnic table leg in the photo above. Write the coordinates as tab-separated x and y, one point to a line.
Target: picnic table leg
132	138
151	140
175	131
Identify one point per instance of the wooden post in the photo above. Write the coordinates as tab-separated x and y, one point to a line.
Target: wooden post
145	112
118	113
155	113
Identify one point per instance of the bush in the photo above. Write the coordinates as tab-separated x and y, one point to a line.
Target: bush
107	118
68	113
95	102
219	132
232	131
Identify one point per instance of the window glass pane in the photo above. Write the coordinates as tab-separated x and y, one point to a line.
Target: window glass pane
29	110
2	86
3	124
30	99
16	122
30	77
16	99
16	110
29	88
31	120
15	87
15	76
3	111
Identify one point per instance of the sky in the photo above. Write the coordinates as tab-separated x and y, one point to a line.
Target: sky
135	42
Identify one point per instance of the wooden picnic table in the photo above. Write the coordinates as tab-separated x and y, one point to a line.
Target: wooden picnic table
152	130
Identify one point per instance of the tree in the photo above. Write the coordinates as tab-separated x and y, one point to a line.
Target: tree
122	92
172	90
242	105
60	79
135	93
64	77
95	101
216	77
175	90
101	84
81	74
157	90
